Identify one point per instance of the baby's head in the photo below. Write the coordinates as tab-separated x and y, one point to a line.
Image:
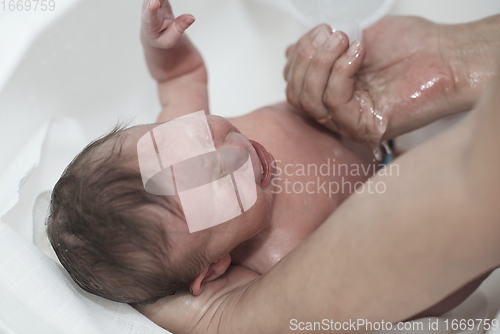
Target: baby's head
122	243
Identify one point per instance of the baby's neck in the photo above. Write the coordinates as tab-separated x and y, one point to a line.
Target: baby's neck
264	250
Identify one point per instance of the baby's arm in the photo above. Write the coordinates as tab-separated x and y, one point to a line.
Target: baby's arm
173	61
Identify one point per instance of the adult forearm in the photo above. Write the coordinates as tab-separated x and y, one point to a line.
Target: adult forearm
382	256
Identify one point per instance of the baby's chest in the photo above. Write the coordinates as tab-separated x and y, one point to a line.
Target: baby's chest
311	181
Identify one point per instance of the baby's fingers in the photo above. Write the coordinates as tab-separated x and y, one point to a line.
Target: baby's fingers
151	17
173	32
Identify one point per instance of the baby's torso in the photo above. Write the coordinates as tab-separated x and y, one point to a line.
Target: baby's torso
315	173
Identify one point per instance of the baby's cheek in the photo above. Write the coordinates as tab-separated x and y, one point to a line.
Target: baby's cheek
244	177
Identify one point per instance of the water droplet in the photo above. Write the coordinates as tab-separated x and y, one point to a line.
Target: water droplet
377	153
338	152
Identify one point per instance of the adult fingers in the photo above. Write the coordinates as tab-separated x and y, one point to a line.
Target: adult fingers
341	80
340	98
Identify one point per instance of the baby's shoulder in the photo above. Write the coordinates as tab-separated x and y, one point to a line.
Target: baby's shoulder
280	114
277	122
278	109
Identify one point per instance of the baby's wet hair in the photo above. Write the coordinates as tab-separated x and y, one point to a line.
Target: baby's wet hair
103	233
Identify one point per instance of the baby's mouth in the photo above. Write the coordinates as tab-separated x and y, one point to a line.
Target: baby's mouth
266	159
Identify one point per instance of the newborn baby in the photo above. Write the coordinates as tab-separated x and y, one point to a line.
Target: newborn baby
122	243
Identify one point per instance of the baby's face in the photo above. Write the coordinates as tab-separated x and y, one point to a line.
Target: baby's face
220	239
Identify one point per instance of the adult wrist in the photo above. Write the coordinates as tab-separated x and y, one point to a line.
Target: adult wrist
471	51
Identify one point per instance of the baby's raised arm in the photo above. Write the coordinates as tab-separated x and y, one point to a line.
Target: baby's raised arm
173	61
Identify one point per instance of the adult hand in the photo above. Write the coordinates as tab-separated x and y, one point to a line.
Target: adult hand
414	72
186	313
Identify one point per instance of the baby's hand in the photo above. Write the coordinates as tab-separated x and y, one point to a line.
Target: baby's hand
159	26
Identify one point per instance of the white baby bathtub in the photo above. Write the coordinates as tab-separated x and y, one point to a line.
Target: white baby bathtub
83	67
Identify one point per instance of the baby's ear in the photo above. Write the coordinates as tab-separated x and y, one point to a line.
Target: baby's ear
215	270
